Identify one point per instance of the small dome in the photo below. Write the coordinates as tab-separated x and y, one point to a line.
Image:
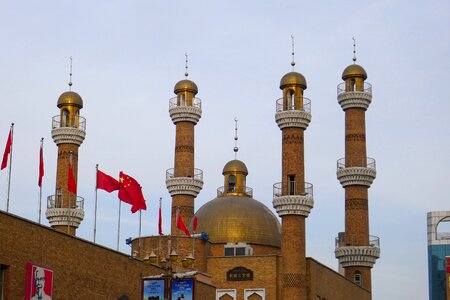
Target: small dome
354	71
185	85
70	98
235	166
293	78
232	219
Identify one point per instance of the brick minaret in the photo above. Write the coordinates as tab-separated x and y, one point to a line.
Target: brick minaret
356	250
293	197
184	182
65	209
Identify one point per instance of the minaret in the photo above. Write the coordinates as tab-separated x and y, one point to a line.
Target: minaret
293	197
356	250
65	209
184	181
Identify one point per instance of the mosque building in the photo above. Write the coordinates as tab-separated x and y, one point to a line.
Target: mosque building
241	250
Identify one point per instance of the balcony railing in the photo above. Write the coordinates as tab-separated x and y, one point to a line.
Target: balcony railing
344	240
177	102
74	122
224	190
66	201
366	89
281	106
365	162
292	188
198	174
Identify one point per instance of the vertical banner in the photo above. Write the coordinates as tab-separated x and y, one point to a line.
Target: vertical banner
447	258
183	289
153	289
38	283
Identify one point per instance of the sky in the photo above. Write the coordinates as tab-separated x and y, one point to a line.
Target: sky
128	55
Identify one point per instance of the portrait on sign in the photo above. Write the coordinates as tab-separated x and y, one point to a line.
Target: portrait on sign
39	282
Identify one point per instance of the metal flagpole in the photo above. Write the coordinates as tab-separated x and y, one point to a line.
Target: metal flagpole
40	187
10	164
95	210
70	196
140	222
118	228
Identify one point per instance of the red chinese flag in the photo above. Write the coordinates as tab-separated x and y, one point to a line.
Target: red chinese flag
180	224
7	150
194	224
71	184
106	182
41	167
130	192
160	222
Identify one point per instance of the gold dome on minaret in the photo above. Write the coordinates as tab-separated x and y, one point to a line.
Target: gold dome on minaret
293	79
235	166
70	98
185	85
354	71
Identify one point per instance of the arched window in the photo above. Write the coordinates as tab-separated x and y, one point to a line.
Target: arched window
291	186
290	100
182	100
64	118
231	183
358	278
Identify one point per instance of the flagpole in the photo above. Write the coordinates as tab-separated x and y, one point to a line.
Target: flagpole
118	227
159	231
10	164
40	186
96	192
140	222
68	215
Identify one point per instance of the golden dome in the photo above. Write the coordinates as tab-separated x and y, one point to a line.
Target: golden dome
239	219
235	166
354	71
70	98
293	78
185	85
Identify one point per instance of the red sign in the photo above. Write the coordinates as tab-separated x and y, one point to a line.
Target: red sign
39	282
448	264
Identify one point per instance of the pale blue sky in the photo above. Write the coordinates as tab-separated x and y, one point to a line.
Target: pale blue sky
128	55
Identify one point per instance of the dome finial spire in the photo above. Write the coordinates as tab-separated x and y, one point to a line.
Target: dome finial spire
354	50
235	149
70	74
186	66
293	53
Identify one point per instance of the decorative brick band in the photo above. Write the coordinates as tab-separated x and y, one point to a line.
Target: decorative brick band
356	176
300	205
357	256
184	186
355	100
293	118
65	216
292	280
185	114
68	135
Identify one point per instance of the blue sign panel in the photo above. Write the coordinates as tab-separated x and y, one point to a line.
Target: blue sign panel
153	289
183	289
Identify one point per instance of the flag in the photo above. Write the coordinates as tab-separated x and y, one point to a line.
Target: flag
180	224
71	184
7	150
130	192
41	164
106	182
194	224
160	222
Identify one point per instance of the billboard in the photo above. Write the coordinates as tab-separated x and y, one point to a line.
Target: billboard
183	289
153	289
38	282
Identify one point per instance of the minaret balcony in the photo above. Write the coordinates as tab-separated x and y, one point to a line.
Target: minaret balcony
350	255
360	172
68	131
292	199
65	211
293	115
191	184
183	112
350	98
234	191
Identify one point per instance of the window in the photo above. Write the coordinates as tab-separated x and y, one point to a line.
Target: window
358	279
65	118
183	100
238	249
231	183
2	271
291	184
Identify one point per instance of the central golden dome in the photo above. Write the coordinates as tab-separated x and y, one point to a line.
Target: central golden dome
235	166
239	219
